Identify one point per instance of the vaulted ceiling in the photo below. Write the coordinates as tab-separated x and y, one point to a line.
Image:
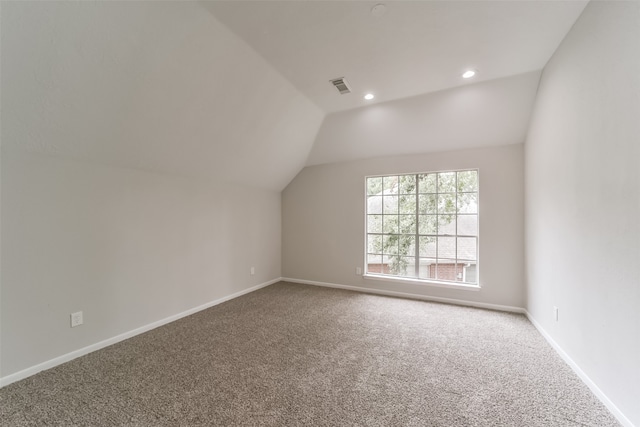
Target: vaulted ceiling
239	91
409	48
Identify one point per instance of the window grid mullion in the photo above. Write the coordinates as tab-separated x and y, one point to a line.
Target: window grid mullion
416	267
455	267
437	223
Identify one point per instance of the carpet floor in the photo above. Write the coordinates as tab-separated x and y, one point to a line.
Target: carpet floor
291	354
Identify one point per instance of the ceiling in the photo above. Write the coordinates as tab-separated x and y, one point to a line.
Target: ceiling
155	86
485	114
238	91
416	47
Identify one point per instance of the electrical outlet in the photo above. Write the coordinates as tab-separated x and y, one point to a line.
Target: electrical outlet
555	313
359	271
253	271
76	319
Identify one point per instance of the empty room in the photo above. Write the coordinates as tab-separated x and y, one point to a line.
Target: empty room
323	213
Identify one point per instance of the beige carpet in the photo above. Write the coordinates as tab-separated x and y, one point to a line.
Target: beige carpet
301	355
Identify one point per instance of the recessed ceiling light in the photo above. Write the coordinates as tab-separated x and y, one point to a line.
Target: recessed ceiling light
468	74
369	96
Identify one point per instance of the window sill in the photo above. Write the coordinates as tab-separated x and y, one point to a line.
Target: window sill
463	286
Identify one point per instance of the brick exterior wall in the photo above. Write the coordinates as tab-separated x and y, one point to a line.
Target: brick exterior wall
378	268
445	271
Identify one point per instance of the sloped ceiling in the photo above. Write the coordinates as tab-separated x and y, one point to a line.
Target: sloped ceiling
415	47
159	86
490	113
237	91
412	58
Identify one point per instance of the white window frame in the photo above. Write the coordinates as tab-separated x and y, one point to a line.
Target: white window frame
415	279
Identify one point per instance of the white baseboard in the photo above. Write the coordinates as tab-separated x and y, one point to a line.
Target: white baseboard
497	307
574	366
105	343
102	344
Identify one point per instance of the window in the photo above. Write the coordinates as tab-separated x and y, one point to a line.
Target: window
423	226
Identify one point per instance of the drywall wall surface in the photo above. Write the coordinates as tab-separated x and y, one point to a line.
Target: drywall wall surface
583	200
126	247
473	115
0	219
158	86
323	234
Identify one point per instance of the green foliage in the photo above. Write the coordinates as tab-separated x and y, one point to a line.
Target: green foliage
389	185
407	184
427	183
407	204
374	186
467	181
447	182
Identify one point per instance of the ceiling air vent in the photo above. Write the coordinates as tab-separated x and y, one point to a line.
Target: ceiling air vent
342	85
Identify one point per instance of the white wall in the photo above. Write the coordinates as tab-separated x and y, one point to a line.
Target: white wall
126	247
144	147
323	222
583	200
159	86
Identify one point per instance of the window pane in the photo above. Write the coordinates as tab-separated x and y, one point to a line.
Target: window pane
407	224
374	244
390	224
408	204
396	265
390	204
374	223
407	184
470	273
468	203
407	245
467	225
447	182
446	203
407	267
427	268
427	224
374	185
427	204
468	181
447	269
447	225
467	249
374	263
446	247
374	205
390	185
374	259
427	183
390	245
427	246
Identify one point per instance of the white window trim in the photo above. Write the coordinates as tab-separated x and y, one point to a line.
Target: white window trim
423	282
